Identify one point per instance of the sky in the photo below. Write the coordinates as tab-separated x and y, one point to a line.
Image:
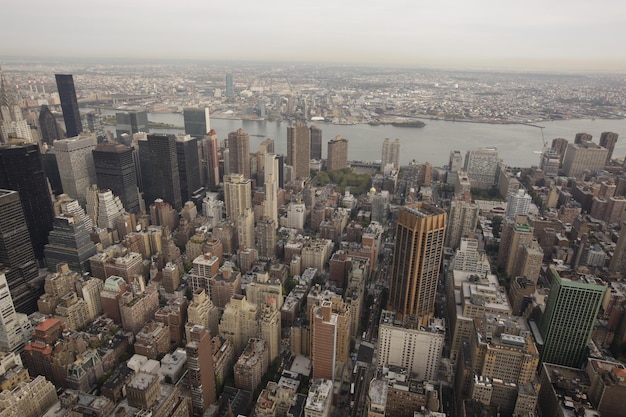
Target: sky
571	36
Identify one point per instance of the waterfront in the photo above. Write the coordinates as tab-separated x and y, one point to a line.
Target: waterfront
517	144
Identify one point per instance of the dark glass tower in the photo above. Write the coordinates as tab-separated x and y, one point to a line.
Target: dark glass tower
16	254
69	243
188	166
316	142
197	122
159	170
115	170
69	104
50	129
21	170
131	122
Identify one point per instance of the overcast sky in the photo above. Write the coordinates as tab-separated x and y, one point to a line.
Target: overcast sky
572	35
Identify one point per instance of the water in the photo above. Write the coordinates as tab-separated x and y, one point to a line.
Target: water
517	144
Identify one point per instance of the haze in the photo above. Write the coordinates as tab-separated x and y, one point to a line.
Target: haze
570	36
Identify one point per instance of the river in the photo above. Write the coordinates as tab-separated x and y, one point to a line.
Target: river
517	144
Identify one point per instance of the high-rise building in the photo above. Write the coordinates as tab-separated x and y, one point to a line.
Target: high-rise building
420	233
201	375
251	365
519	204
299	149
337	154
12	123
516	233
69	242
188	166
608	141
482	166
239	322
266	238
560	146
48	126
21	170
210	160
237	195
323	341
316	142
618	261
197	122
239	153
462	221
230	90
581	138
270	209
570	314
245	228
76	165
390	153
16	254
115	170
131	122
14	326
69	105
583	156
159	170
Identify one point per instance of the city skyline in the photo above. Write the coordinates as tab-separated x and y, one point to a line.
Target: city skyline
529	37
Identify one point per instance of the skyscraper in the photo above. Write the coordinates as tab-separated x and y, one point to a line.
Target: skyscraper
608	141
323	341
618	261
390	153
569	317
482	165
299	149
131	122
583	156
115	170
201	375
13	326
197	122
211	160
316	142
48	126
271	187
420	233
69	104
76	166
69	243
12	123
16	254
519	203
237	195
188	166
337	154
461	222
21	170
239	153
230	90
159	170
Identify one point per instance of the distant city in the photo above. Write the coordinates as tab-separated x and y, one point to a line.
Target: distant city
150	268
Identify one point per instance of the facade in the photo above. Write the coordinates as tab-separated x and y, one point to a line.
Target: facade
271	186
116	171
481	165
210	159
583	156
251	365
136	310
337	154
69	104
197	122
188	166
316	142
266	238
618	261
299	149
608	141
76	166
420	233
158	160
50	129
201	374
16	254
14	326
390	153
21	170
319	399
131	122
237	195
239	322
29	399
324	341
239	153
202	311
462	221
519	204
571	311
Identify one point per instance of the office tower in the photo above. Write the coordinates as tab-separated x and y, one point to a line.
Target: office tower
16	254
618	260
197	122
299	149
481	166
159	170
581	138
239	153
316	143
420	233
69	242
519	204
462	222
115	171
21	170
251	365
570	314
200	374
237	195
14	326
515	234
270	209
583	156
323	341
48	126
266	238
131	122
211	160
608	141
390	153
281	171
76	166
188	166
337	154
69	105
230	90
418	350
95	125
